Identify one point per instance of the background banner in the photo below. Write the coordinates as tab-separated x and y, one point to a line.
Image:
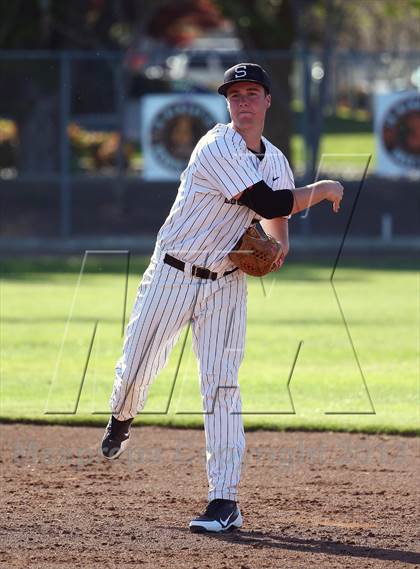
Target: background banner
397	130
170	127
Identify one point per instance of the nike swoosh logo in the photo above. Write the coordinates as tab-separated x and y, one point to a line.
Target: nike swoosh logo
225	522
274	179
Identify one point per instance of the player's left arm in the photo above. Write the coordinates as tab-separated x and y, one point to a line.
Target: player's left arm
278	228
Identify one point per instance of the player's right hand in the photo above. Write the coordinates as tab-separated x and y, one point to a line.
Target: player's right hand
334	193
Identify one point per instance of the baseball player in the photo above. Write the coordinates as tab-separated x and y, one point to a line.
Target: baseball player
234	177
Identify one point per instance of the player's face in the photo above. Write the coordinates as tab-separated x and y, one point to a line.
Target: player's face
247	104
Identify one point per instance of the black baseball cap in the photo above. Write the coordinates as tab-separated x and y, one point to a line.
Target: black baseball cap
245	72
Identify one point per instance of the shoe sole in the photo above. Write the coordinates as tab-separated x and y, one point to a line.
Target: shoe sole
236	524
123	447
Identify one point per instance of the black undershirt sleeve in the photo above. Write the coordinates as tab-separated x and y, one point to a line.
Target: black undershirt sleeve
266	202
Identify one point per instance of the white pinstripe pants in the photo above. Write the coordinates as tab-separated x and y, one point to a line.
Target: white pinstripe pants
167	300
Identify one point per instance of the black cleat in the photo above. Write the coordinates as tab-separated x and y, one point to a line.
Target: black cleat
220	515
115	441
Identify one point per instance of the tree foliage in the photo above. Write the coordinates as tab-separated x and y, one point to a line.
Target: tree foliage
261	24
374	25
366	25
102	24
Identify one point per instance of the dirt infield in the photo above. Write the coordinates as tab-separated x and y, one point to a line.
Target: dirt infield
309	500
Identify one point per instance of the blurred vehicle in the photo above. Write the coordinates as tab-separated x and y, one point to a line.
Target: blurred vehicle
187	71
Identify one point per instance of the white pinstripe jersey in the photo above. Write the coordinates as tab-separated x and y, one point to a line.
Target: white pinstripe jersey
204	225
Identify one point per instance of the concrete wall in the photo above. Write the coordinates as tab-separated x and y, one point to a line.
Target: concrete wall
138	208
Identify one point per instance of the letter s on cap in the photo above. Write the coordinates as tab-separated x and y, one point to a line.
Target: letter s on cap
240	72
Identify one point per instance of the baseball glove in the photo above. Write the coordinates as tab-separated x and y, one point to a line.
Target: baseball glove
257	253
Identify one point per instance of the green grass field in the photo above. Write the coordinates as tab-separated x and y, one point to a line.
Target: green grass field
295	307
346	140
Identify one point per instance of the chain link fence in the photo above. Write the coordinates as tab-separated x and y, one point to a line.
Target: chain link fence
72	161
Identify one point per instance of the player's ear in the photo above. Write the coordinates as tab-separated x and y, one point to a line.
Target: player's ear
268	101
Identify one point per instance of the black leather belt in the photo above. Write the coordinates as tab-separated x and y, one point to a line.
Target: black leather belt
199	272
